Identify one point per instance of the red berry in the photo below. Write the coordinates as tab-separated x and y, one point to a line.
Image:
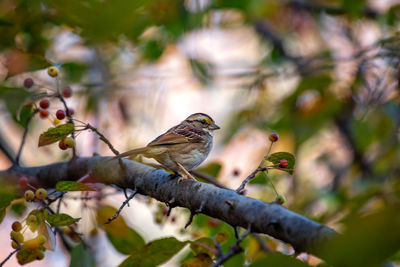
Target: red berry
71	111
66	92
44	104
23	181
62	145
273	137
60	114
283	163
16	226
28	82
43	113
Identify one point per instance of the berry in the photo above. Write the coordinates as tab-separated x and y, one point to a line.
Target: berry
31	244
280	199
236	172
28	82
16	226
44	104
43	113
23	181
56	121
62	145
52	71
66	92
17	236
41	194
39	255
60	114
71	111
14	245
69	142
31	220
29	195
283	163
273	137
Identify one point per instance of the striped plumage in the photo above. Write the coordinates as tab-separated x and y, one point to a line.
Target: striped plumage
187	144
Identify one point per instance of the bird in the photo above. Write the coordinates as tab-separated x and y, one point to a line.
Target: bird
183	147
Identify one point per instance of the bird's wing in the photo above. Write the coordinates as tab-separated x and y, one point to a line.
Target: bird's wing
178	135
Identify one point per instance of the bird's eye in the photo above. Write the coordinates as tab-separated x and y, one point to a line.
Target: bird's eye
203	122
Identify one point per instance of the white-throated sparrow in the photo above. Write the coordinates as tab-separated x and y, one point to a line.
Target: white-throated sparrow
183	147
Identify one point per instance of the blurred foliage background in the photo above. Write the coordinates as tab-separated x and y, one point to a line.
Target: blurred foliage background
324	75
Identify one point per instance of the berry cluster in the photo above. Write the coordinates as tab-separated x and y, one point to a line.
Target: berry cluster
44	104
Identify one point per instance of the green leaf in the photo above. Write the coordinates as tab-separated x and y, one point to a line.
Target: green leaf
276	157
278	259
154	253
67	186
201	260
13	98
6	23
5	200
60	219
25	256
24	114
81	256
122	237
18	208
55	134
367	241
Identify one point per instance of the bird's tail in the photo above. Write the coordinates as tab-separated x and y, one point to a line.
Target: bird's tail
131	153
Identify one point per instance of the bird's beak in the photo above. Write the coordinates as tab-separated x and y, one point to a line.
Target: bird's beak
214	127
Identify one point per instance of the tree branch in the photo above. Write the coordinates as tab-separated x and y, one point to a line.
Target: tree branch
267	218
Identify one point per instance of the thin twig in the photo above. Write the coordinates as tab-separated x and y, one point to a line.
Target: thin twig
250	177
8	257
122	206
193	213
24	136
233	250
260	168
103	138
208	178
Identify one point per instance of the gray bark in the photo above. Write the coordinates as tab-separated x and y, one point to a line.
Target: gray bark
237	210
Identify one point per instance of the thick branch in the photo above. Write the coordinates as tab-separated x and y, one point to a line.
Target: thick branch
272	219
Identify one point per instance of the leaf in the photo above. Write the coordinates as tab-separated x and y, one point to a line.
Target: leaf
68	186
60	219
81	256
55	134
5	23
24	114
18	208
278	259
368	240
13	98
201	260
276	157
154	253
44	229
5	200
122	237
201	245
